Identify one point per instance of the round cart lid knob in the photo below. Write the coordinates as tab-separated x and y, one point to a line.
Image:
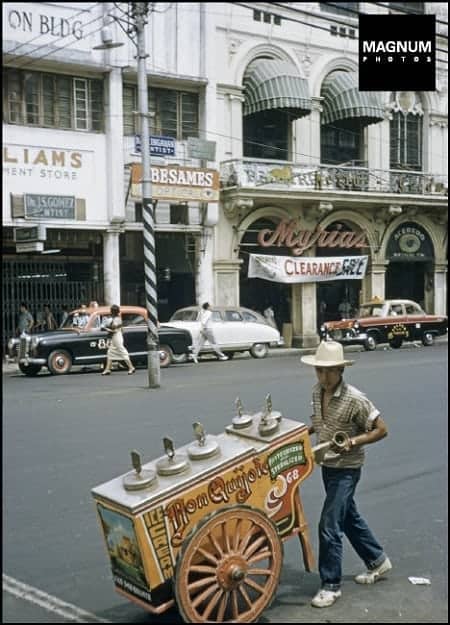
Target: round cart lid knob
241	420
174	463
139	478
205	447
267	426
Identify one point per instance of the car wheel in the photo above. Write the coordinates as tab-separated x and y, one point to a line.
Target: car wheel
427	339
259	350
59	362
177	358
30	370
165	356
371	343
396	343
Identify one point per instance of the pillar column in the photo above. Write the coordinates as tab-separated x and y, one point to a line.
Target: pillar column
204	278
304	315
227	282
374	284
111	267
440	289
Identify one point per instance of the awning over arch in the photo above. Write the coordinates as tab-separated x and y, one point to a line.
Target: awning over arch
275	84
343	101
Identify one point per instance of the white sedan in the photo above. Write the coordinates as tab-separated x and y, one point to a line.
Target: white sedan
235	329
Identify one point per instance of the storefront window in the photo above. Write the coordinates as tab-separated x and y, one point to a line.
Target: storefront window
266	135
341	145
175	112
406	132
52	101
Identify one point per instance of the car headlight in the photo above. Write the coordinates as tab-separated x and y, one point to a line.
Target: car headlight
12	343
356	325
35	340
323	328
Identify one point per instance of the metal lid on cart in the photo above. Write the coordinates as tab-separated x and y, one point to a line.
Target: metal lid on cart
174	463
205	445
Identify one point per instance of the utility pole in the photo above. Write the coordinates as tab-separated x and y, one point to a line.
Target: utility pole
139	12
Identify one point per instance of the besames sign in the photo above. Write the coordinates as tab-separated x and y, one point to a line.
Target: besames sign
178	183
291	270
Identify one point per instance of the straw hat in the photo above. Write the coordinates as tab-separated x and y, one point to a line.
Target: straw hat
328	354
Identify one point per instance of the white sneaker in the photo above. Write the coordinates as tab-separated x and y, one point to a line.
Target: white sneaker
223	357
194	358
325	598
373	575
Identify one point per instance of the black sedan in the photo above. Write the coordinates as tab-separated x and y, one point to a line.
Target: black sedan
81	341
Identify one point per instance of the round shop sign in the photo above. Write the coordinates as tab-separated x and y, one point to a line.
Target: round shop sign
410	241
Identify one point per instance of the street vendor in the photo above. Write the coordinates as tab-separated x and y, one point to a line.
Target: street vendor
339	407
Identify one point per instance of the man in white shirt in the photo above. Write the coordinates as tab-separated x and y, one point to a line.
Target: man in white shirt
206	334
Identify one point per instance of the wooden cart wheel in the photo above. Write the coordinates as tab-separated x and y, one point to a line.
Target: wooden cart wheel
229	567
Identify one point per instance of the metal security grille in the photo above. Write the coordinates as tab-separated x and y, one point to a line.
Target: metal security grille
38	283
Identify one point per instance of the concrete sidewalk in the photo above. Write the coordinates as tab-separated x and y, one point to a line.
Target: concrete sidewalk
284	351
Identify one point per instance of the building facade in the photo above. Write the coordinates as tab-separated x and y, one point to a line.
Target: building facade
303	157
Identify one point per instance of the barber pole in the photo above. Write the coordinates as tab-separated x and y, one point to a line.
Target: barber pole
140	10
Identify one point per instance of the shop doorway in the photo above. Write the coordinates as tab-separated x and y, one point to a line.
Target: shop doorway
338	299
331	297
256	293
406	280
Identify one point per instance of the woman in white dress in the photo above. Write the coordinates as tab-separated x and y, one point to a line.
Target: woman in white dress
116	350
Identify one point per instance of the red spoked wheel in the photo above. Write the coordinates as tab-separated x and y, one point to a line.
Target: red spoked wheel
229	567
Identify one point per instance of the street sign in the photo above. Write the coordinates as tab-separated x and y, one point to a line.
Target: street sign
38	206
159	146
30	233
33	246
201	149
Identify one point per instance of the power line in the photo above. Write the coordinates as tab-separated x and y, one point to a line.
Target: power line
33	60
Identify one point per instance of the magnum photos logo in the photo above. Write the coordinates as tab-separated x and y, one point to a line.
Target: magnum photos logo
397	52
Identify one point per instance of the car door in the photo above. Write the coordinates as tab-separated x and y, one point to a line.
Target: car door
134	329
89	344
233	328
218	327
416	320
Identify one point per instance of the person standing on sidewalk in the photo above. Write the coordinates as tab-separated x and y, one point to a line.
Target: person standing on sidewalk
116	350
206	334
25	322
337	406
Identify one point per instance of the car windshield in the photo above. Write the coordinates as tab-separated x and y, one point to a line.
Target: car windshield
185	315
371	310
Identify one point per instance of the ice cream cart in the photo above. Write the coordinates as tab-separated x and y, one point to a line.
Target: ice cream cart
203	526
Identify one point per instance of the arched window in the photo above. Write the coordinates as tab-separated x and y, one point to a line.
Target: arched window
406	131
275	95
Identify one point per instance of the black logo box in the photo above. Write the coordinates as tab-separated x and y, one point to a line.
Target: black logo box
383	70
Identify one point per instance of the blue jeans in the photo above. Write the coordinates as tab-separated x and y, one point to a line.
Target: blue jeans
340	516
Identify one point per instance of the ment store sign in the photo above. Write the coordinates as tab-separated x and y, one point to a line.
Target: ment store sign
183	184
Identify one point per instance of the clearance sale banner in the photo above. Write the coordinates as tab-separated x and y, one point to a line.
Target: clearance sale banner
318	269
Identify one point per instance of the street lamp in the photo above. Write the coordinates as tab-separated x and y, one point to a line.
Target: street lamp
138	17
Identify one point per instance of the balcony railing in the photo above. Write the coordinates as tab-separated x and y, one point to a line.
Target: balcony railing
293	177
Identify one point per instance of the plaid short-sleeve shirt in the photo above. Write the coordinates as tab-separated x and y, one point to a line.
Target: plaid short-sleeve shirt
349	411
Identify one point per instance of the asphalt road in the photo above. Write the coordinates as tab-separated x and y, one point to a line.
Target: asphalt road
64	435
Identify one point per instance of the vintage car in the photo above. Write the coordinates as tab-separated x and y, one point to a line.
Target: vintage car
81	341
390	321
235	329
